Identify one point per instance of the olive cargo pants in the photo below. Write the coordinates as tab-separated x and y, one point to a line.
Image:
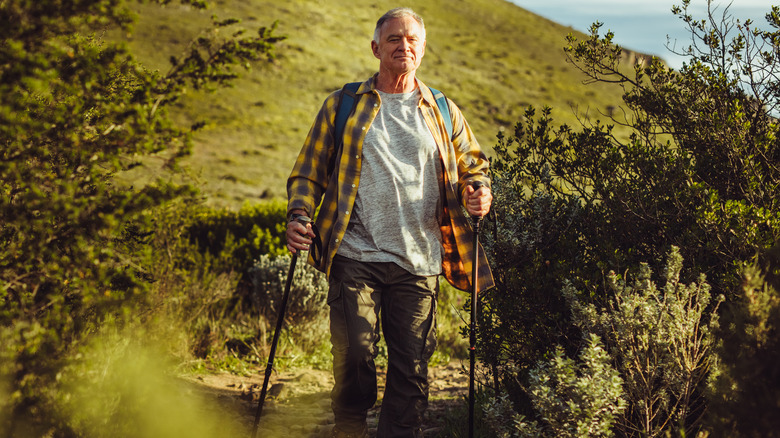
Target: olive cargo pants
358	293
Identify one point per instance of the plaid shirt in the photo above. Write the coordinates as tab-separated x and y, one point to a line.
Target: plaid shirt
462	163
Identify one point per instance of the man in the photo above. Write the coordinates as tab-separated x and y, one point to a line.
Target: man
390	222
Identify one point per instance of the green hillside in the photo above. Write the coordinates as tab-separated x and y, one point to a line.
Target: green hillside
491	57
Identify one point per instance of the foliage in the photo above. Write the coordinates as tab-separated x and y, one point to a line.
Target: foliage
698	172
661	341
74	111
578	400
503	422
122	387
572	399
533	247
237	238
306	315
744	395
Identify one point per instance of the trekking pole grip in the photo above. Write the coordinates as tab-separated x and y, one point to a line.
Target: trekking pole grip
477	185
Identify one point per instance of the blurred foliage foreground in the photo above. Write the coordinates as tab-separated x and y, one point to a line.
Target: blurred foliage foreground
637	279
80	254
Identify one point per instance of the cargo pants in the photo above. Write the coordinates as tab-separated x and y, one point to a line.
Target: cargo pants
358	294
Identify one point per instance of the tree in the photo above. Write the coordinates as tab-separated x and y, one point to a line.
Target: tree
74	111
698	171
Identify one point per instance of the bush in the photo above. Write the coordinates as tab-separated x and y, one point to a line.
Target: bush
661	341
237	238
572	399
744	395
306	316
74	111
698	172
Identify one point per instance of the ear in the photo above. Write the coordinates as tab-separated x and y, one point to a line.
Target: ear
375	49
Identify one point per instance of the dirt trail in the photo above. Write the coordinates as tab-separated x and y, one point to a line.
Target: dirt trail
298	404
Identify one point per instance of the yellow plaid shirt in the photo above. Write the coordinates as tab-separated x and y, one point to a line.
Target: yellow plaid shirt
462	163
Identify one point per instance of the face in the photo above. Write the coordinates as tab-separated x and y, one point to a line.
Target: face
401	46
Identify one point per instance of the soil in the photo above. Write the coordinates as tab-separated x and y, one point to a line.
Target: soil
298	402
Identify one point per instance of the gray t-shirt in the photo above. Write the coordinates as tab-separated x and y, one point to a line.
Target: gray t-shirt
398	204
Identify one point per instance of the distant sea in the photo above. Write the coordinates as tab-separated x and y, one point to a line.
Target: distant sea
642	25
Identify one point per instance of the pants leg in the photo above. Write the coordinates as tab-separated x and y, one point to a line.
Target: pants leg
358	292
409	326
353	297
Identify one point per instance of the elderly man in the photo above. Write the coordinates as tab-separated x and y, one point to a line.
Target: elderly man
391	221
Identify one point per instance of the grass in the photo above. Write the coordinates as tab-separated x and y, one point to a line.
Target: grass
491	57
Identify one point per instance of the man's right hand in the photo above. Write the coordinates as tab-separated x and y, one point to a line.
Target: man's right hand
299	236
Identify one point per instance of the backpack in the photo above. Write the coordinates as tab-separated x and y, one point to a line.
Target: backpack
348	101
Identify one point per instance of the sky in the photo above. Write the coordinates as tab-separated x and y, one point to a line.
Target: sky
641	25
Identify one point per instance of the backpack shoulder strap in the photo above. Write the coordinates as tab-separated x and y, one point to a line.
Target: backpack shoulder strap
347	103
441	102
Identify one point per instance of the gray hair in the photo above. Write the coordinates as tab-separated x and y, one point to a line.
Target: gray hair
398	13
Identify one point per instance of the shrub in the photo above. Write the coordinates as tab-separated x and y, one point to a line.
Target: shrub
306	316
698	172
578	400
661	341
237	238
744	395
74	111
571	399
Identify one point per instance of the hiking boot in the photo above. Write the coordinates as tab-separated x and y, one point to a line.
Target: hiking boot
336	433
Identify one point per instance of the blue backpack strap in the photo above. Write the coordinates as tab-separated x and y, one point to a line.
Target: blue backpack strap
441	102
347	103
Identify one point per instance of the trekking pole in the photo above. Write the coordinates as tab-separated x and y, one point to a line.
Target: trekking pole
476	220
280	320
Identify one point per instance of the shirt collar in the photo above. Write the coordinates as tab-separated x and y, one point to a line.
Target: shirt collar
425	93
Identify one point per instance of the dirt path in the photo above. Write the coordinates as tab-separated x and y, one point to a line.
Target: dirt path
298	404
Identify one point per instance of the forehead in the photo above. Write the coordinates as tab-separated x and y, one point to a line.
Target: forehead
402	26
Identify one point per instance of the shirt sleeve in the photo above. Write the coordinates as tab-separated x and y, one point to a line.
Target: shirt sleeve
472	162
309	177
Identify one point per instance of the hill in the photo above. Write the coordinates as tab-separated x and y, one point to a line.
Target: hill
491	57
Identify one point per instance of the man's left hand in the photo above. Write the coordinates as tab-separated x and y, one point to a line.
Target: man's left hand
478	202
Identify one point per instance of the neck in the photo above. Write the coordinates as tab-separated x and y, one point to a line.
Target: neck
387	83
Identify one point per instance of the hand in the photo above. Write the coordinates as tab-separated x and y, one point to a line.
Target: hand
478	201
299	236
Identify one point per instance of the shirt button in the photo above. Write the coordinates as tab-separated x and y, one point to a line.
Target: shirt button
337	240
357	157
346	212
353	186
364	128
375	105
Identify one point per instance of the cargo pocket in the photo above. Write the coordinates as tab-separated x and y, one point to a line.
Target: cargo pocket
334	291
339	336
